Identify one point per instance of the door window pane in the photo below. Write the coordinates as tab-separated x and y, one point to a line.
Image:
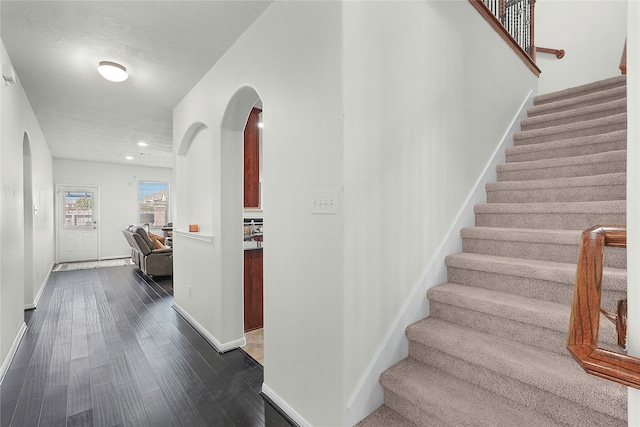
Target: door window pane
78	209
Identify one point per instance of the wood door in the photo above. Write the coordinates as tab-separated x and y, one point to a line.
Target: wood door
252	160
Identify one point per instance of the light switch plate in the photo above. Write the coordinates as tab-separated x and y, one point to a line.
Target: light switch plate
324	202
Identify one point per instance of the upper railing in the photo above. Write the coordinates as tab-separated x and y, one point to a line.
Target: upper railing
582	339
517	17
514	22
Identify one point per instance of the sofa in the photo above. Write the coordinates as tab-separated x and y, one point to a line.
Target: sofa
152	258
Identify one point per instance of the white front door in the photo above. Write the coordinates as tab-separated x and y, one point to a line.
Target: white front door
77	223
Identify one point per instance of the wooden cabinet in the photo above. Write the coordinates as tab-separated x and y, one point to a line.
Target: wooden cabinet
253	300
252	160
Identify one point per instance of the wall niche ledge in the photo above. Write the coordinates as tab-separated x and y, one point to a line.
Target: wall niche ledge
194	235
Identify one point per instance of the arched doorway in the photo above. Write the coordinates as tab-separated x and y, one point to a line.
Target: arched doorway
237	116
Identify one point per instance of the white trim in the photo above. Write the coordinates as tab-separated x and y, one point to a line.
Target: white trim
282	405
12	352
368	395
194	235
217	345
36	300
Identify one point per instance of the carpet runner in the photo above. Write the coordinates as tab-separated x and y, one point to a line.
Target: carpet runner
492	352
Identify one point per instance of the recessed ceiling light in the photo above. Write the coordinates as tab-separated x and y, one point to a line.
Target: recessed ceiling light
260	124
129	158
142	144
112	71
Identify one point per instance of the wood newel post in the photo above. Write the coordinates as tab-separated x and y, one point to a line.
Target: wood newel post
532	46
587	290
623	59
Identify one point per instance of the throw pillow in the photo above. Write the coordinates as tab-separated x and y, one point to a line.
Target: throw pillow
156	237
157	244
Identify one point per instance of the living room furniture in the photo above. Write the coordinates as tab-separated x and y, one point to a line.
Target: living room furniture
152	261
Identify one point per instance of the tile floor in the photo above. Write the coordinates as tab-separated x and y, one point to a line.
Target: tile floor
255	345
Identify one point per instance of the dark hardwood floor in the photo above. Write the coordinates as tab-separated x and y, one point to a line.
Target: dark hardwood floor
105	348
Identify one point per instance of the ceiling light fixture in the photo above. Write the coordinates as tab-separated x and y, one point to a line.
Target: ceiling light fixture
129	158
112	71
142	144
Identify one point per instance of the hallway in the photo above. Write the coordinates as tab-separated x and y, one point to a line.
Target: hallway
104	348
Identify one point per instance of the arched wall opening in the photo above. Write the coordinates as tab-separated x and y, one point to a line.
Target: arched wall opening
29	211
196	169
232	129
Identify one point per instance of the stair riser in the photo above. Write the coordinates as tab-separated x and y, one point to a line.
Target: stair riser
563	171
550	404
557	195
560	151
524	139
410	411
543	338
553	221
614	257
566	105
541	123
525	333
549	290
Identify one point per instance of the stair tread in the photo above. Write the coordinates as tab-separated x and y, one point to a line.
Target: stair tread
539	368
599	207
570	127
615	178
616	92
454	400
597	158
592	87
613	278
612	106
591	140
532	311
538	235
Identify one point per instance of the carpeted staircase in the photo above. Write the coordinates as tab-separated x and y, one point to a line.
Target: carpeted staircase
492	352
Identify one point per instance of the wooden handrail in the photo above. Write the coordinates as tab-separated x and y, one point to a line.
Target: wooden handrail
623	59
559	53
582	339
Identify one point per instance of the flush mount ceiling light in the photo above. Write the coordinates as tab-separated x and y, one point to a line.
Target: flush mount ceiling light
113	71
129	157
142	144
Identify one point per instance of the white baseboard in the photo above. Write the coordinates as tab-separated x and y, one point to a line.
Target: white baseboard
284	407
12	352
217	345
368	395
36	300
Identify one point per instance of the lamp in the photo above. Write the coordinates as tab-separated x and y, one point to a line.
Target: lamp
112	71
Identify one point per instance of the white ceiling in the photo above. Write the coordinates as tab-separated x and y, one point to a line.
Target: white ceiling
166	47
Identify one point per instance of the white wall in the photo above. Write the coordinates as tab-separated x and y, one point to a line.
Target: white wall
417	82
17	117
440	90
118	186
291	56
592	34
633	200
